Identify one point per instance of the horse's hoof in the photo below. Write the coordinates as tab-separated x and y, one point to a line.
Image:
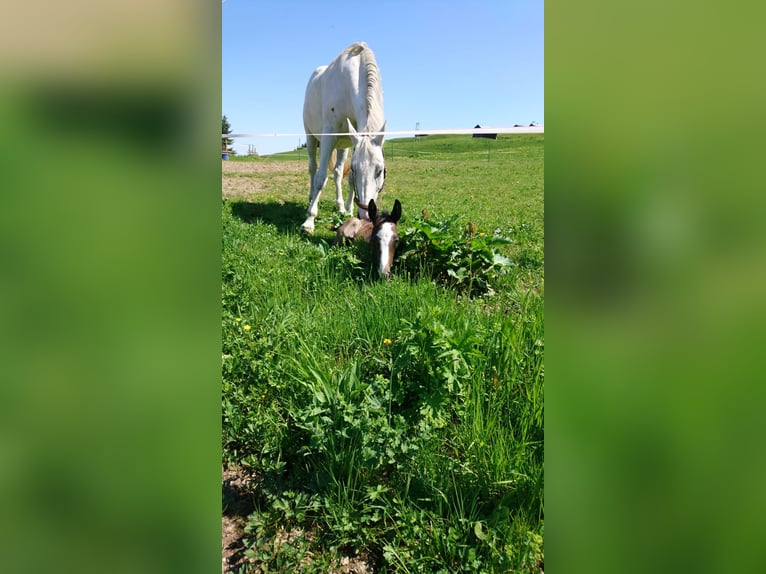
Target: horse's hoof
307	228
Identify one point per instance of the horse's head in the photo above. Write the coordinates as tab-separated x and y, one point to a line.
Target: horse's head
384	236
368	169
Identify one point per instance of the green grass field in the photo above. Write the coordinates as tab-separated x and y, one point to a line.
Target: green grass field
397	423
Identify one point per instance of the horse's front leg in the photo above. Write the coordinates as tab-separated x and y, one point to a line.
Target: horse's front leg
350	200
311	150
340	165
318	181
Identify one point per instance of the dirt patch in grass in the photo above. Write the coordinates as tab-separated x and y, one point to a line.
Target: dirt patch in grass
245	180
238	497
238	489
245	167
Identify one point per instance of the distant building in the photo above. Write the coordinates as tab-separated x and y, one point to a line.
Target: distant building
489	136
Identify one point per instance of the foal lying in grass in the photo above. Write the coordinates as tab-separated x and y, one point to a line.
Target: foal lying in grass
380	230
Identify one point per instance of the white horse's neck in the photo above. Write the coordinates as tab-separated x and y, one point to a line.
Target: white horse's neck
373	112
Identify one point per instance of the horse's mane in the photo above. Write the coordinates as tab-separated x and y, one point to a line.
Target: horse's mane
374	94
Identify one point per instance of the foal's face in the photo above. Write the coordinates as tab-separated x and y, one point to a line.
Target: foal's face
384	237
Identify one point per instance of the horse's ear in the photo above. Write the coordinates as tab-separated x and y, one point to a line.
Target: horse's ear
352	132
372	210
378	139
396	213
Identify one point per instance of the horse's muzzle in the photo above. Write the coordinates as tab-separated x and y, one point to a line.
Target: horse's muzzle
362	212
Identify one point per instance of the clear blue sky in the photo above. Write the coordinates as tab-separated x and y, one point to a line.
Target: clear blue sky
444	64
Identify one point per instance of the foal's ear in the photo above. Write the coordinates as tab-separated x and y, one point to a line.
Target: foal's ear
396	213
372	210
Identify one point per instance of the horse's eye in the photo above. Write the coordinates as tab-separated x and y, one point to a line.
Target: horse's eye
378	173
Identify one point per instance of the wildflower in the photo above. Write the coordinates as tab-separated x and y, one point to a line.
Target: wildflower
238	319
247	327
386	341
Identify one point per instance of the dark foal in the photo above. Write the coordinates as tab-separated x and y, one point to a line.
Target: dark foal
380	230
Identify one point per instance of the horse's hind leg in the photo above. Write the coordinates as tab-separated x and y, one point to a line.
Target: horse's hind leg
318	180
340	163
350	200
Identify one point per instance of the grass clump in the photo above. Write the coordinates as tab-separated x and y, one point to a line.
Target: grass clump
461	257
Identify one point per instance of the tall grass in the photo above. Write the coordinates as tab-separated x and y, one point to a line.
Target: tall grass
399	421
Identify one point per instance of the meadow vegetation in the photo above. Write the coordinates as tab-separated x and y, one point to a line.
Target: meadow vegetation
397	423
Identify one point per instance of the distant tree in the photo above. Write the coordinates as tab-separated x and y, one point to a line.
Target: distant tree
226	129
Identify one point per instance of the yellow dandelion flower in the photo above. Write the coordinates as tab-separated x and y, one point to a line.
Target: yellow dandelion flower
238	319
247	327
386	341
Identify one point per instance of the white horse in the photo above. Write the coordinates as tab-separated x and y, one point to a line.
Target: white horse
343	97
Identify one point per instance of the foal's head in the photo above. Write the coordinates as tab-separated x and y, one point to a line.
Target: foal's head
384	236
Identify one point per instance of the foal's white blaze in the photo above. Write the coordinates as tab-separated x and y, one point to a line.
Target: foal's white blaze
386	234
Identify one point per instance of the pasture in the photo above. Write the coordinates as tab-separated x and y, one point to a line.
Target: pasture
385	426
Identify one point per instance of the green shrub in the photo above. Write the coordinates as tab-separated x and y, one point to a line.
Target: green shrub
459	256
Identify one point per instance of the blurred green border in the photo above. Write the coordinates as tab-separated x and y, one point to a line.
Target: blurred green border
110	288
654	298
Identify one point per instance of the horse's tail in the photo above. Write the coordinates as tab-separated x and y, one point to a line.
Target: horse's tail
346	166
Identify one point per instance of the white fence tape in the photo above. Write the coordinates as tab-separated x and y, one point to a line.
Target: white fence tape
507	130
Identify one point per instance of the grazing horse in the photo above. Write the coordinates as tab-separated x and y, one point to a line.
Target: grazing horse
343	97
380	230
